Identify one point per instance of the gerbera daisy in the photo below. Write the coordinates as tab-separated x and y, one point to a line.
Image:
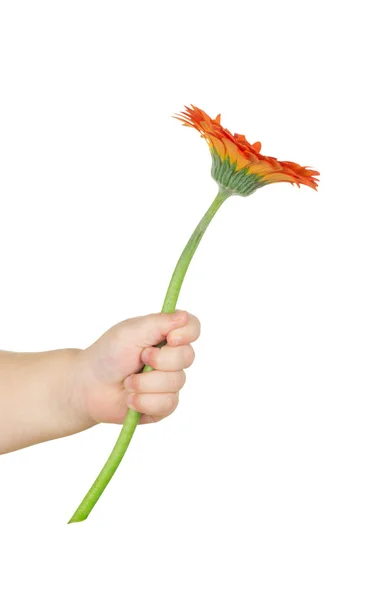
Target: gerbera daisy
238	166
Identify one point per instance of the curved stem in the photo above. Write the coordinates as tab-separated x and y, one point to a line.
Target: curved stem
132	418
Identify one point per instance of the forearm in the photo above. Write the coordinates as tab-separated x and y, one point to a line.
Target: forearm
35	392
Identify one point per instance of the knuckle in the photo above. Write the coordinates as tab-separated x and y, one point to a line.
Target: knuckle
182	379
196	324
189	355
172	401
155	317
198	328
156	322
176	380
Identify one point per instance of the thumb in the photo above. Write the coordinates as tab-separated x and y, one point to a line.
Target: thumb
152	329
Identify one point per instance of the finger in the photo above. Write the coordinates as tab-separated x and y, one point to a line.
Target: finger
155	382
154	405
186	334
153	329
168	358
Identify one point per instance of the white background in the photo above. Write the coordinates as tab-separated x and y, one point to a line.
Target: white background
256	488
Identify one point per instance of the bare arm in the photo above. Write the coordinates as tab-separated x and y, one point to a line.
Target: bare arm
34	393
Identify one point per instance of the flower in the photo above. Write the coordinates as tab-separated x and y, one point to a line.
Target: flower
237	165
240	169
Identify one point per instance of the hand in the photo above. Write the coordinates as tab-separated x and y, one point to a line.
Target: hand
106	378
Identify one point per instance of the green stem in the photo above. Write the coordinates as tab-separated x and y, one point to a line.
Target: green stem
132	417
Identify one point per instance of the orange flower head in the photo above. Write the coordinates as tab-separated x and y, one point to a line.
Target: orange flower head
237	165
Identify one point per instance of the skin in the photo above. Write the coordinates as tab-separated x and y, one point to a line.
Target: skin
49	395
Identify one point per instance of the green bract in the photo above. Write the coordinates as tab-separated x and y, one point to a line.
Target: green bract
238	183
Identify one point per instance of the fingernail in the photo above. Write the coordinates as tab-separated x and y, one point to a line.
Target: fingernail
130	400
177	316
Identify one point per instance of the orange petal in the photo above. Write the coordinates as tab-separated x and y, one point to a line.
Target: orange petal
257	146
272	177
231	149
241	162
260	168
217	144
253	157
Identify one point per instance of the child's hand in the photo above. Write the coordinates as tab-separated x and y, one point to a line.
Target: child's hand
47	395
106	381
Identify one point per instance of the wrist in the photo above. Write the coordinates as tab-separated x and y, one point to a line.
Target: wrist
71	396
